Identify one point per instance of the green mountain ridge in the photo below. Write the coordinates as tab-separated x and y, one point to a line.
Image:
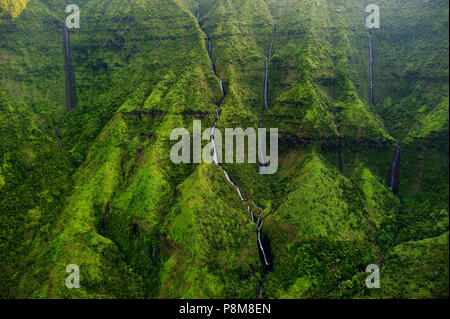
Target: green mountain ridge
139	226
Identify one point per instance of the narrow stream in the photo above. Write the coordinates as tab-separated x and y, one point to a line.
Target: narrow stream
259	221
262	160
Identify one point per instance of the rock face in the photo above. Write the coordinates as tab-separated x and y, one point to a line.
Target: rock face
394	173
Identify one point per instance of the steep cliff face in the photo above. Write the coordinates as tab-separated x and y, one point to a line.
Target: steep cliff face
415	58
109	199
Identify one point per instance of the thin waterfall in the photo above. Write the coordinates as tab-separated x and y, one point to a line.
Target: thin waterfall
262	159
251	213
266	86
217	113
266	80
221	86
261	153
271	43
70	77
211	59
371	68
261	221
394	173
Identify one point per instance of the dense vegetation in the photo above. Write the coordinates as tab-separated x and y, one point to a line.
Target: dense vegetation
111	201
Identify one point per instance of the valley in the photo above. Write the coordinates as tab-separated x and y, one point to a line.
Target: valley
86	175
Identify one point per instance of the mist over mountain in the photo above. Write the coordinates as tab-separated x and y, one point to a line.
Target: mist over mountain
86	176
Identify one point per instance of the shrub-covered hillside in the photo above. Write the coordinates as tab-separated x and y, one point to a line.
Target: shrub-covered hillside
95	186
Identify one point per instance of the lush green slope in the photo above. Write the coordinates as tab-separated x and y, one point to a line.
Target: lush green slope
417	269
317	96
35	176
415	109
111	201
327	228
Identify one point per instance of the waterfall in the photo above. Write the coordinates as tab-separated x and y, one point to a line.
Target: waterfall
269	56
217	112
221	86
70	78
260	221
213	143
260	243
266	80
251	213
262	160
371	68
211	59
266	86
394	175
